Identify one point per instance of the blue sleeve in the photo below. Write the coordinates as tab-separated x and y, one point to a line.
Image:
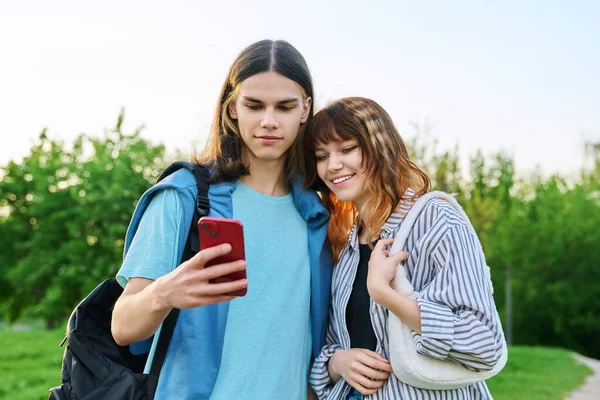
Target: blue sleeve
154	248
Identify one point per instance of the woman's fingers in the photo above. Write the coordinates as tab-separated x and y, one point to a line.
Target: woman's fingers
381	247
365	382
371	373
375	361
399	257
382	244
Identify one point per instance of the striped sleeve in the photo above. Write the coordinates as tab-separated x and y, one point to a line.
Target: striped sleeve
319	375
458	316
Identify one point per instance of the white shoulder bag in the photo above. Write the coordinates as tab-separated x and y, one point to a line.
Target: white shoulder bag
410	367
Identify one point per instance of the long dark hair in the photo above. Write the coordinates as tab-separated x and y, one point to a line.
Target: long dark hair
223	150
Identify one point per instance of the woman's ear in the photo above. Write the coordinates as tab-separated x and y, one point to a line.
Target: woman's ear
306	109
232	109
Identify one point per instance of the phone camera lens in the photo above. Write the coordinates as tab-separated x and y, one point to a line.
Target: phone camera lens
213	234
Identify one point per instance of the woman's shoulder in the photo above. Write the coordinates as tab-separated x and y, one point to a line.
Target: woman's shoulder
440	212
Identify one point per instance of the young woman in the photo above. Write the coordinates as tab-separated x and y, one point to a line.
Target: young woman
357	159
258	346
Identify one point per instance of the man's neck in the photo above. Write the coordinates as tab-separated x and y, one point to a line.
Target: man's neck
267	177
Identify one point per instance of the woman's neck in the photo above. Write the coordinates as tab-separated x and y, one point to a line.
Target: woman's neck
363	220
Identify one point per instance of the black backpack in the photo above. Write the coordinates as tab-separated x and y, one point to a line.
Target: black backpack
94	366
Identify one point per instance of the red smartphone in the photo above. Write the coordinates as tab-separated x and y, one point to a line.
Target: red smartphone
215	231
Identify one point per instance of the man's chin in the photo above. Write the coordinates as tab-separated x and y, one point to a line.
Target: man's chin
268	156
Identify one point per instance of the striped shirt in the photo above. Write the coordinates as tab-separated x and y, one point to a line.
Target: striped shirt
458	316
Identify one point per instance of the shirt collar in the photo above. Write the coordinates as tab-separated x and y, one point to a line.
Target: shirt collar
391	224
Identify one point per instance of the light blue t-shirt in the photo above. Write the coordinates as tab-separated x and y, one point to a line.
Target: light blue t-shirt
266	353
267	339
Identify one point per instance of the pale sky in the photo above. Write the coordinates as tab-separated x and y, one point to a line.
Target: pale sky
521	76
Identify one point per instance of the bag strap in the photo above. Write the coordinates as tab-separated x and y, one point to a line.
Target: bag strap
401	283
192	246
411	217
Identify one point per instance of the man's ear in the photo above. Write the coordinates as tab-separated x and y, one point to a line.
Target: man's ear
232	109
306	109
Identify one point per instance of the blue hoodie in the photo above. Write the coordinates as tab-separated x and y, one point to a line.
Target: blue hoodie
209	321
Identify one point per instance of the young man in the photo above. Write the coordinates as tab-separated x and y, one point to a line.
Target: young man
260	345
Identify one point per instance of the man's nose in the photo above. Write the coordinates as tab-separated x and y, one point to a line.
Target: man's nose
269	120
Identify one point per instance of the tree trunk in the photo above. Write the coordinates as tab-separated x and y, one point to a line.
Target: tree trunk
50	324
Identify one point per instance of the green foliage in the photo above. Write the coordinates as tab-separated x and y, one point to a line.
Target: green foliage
64	217
557	280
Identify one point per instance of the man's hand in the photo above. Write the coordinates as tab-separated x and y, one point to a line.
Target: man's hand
188	285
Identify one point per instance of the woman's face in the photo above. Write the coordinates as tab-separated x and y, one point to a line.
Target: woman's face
269	110
339	165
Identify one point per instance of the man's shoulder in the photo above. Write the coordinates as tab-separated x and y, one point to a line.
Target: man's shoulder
181	179
308	202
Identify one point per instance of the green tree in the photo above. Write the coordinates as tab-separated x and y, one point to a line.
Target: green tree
64	214
558	274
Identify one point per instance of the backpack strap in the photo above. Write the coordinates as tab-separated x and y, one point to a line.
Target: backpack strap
192	246
202	176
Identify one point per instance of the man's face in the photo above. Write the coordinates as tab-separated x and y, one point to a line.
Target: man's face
269	110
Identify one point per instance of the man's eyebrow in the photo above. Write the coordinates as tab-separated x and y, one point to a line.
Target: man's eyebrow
285	101
252	99
290	100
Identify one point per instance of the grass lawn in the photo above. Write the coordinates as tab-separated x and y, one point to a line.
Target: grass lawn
30	364
538	373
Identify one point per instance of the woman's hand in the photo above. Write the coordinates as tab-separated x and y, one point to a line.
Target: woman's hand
382	268
364	370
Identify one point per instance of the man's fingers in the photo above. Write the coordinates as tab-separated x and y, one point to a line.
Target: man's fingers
216	289
216	271
204	256
222	298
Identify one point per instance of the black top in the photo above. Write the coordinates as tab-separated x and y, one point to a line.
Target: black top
358	316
